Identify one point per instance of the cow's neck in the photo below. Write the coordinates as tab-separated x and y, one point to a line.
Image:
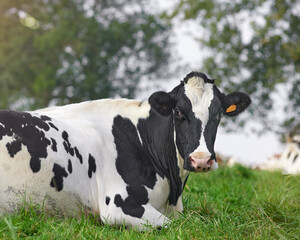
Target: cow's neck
157	135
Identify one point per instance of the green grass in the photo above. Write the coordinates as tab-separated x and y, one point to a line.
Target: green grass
230	203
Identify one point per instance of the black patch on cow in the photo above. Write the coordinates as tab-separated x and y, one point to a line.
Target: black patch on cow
200	75
70	169
29	131
67	144
57	180
296	142
78	155
210	131
53	126
107	200
134	166
14	147
45	118
157	134
295	158
132	163
132	205
92	166
139	163
54	145
162	103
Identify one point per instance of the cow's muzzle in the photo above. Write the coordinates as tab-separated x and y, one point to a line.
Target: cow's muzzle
202	162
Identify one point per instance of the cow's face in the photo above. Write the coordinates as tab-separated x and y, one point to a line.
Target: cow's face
198	106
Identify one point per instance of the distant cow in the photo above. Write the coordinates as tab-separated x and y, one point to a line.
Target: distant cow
288	161
124	160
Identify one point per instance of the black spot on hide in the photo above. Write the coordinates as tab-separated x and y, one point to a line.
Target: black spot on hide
54	145
78	155
67	144
92	166
57	180
132	205
52	125
70	169
107	200
28	130
295	158
14	147
45	118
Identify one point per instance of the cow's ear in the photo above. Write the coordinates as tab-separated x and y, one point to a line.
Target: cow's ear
162	103
235	103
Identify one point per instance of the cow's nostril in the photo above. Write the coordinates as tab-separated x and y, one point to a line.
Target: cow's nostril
199	167
210	162
204	169
208	168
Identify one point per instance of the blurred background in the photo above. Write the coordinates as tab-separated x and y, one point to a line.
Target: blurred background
55	52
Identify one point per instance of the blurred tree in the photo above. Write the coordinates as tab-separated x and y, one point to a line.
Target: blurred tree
254	46
72	50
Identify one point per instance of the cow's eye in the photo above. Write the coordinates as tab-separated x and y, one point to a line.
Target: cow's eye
178	113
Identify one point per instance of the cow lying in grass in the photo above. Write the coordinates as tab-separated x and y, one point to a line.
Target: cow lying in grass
125	160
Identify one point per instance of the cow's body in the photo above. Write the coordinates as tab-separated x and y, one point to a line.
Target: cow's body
124	160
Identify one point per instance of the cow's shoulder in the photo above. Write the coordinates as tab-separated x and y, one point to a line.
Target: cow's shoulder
145	152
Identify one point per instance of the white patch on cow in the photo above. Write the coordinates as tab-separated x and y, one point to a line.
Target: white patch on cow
107	108
103	111
159	194
201	95
175	210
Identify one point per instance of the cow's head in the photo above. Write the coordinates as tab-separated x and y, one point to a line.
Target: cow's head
197	106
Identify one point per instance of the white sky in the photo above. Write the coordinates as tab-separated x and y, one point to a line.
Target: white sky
247	149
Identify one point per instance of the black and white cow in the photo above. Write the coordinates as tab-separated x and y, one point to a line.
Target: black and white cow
288	161
124	160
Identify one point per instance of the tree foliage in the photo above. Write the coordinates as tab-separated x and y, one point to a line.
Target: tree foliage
254	46
62	51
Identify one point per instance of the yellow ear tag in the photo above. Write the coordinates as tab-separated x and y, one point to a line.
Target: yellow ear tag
232	108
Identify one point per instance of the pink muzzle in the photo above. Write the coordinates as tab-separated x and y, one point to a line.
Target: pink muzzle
201	162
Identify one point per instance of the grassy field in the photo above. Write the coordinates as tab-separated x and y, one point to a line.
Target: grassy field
230	203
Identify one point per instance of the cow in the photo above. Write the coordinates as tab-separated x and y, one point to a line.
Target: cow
288	161
124	160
